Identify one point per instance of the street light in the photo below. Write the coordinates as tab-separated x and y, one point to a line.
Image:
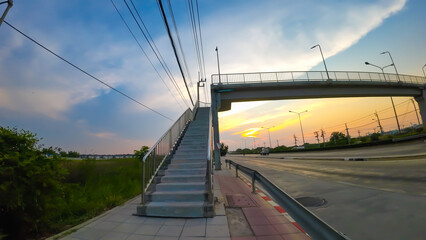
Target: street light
393	104
269	133
218	66
381	68
325	66
399	80
300	121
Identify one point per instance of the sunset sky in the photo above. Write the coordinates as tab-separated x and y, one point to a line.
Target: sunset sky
66	108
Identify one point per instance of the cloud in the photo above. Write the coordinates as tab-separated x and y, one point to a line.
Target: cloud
104	135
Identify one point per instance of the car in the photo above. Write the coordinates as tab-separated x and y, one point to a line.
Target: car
265	151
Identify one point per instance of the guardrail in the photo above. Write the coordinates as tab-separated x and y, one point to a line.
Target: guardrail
314	76
153	160
314	226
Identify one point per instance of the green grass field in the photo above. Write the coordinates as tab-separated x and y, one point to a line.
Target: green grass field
94	186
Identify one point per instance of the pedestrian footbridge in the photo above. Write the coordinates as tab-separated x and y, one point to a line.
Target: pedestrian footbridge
177	170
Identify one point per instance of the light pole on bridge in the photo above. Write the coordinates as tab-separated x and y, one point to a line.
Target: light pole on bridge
218	65
323	60
399	80
393	104
300	121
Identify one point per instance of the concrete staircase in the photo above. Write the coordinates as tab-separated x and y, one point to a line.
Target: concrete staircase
180	189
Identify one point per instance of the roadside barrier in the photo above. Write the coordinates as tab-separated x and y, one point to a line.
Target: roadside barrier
314	226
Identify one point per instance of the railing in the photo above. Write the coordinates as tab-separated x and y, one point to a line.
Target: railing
209	174
314	76
155	157
313	225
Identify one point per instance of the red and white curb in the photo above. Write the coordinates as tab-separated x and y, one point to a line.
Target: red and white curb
275	205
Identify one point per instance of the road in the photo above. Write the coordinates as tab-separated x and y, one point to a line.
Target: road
365	200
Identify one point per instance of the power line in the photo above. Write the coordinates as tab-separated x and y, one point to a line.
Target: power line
201	38
83	71
174	48
179	41
154	48
146	55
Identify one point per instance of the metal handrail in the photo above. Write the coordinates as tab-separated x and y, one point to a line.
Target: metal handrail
209	160
158	153
314	226
314	76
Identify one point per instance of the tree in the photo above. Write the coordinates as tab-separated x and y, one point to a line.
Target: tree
336	136
223	149
30	184
142	152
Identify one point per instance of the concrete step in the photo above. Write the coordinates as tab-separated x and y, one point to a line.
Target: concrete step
170	187
183	178
192	171
177	196
176	209
190	165
178	161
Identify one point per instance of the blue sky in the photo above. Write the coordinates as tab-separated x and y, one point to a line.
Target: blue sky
70	110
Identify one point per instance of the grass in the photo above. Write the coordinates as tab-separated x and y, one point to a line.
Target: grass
94	186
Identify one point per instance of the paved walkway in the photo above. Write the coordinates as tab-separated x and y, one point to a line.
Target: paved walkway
250	217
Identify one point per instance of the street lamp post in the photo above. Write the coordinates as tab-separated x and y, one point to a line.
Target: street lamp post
9	5
300	122
423	69
218	65
397	75
393	104
323	60
269	133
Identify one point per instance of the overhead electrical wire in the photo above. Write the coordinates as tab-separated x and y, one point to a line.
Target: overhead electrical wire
85	72
172	16
146	55
154	48
163	14
201	39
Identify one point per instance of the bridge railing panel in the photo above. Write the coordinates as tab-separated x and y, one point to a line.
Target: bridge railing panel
314	76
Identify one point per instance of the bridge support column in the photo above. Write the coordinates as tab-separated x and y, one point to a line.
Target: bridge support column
421	101
215	123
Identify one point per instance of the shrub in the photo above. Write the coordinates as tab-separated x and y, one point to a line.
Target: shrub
30	185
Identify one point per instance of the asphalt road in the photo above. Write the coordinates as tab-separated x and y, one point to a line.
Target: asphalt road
365	200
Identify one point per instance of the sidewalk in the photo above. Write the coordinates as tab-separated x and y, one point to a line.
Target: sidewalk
247	216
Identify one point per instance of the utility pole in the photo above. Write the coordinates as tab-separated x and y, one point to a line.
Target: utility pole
316	136
359	133
347	132
9	5
323	137
378	121
295	139
415	109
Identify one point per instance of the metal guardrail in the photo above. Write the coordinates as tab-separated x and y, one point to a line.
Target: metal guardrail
153	160
314	226
314	76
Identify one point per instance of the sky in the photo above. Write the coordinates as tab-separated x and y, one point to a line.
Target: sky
68	109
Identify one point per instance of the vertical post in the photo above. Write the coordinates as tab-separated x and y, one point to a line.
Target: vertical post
253	179
421	102
236	170
347	132
143	183
378	121
9	5
396	115
218	65
415	109
215	124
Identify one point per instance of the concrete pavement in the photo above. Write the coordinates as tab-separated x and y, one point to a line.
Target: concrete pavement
254	219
